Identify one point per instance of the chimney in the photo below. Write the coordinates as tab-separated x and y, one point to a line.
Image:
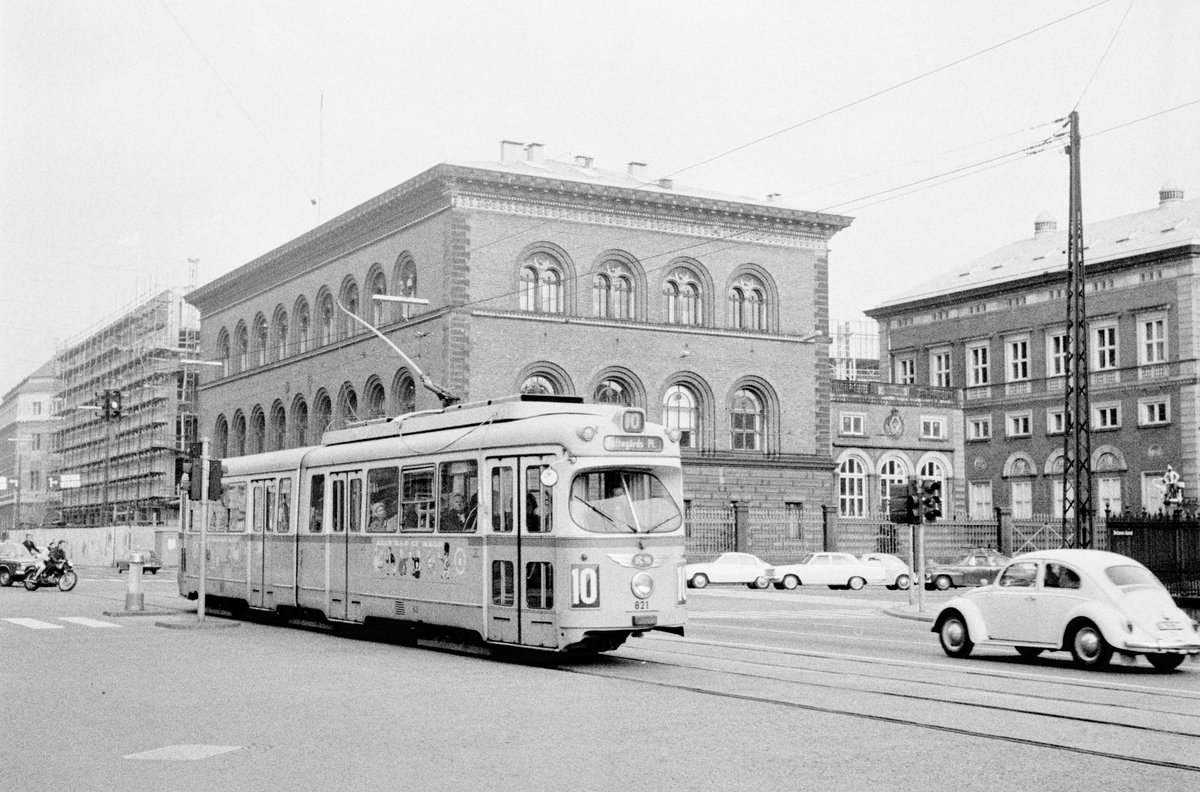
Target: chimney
582	161
1170	193
666	184
533	152
510	151
1044	224
637	170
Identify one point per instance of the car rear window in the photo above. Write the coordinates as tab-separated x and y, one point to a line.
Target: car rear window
1127	575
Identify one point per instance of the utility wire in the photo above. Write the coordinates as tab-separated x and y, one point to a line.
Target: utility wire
1103	56
820	116
240	106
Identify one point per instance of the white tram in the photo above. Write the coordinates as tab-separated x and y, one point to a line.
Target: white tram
527	521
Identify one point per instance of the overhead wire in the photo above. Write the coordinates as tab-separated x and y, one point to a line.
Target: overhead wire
1104	55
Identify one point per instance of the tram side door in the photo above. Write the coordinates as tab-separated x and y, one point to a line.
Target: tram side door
262	500
519	572
345	517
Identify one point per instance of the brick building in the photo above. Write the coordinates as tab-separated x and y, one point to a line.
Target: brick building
995	327
25	451
709	311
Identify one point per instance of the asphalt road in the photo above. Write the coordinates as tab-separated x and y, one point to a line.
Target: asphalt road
126	704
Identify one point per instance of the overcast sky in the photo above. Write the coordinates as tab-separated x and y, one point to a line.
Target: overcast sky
138	134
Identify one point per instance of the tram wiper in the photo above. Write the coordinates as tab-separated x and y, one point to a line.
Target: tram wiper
606	516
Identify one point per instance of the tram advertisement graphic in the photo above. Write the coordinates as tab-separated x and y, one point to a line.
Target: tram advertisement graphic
421	559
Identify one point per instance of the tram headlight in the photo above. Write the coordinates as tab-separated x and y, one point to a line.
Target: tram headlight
642	585
673	434
586	433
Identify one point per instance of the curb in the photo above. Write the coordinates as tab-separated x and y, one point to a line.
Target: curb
146	613
911	616
197	625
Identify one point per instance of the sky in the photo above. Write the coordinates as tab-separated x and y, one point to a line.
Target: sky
137	135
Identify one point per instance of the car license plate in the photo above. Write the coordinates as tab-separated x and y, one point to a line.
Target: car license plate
1167	624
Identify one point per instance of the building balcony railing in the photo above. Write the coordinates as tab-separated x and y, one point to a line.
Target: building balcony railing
948	396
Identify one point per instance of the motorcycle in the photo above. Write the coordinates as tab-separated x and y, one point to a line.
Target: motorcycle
56	573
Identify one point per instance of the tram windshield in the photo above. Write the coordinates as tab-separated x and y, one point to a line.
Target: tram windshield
623	501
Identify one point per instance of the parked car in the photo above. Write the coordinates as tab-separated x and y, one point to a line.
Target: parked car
892	571
976	568
15	561
836	570
150	562
731	568
1090	603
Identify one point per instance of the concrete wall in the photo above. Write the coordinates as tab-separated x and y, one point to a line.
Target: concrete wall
102	546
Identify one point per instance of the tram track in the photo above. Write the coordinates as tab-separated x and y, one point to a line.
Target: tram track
796	695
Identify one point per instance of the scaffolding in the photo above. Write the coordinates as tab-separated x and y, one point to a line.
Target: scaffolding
127	467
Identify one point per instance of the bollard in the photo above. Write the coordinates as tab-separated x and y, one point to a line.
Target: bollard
135	600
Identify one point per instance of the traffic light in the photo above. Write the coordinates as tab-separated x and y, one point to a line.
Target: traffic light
912	503
193	472
114	405
215	488
102	403
931	500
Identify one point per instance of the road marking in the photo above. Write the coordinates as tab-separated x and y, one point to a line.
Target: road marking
783	615
86	622
34	624
184	752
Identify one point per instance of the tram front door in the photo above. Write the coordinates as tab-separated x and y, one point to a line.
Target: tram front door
345	520
520	552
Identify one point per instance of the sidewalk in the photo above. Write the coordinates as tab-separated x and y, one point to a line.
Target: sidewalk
911	612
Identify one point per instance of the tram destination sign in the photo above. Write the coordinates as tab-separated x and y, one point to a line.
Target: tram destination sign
635	443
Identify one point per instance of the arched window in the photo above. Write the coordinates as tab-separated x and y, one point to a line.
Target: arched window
405	278
541	284
346	326
322	414
299	422
539	385
747	421
682	291
220	447
852	488
376	401
613	391
223	352
256	436
237	435
601	295
325	311
348	404
277	429
279	331
303	326
242	347
406	393
892	473
612	291
681	410
748	304
378	307
260	340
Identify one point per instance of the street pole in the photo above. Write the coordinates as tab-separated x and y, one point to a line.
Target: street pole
200	606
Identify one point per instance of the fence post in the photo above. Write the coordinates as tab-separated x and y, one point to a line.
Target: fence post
741	525
829	529
1004	529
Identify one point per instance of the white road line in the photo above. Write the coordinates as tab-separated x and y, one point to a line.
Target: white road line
86	622
34	624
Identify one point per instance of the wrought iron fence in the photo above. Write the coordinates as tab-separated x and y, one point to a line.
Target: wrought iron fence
710	531
1168	547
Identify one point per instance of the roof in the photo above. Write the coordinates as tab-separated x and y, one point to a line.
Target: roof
1079	556
1173	223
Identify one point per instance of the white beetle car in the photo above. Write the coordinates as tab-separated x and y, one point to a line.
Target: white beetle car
1088	602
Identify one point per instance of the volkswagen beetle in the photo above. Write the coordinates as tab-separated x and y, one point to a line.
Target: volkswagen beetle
1090	603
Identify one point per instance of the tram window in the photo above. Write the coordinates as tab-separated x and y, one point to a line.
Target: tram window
383	495
622	501
502	583
256	507
339	506
356	505
539	584
418	500
236	519
316	503
502	499
284	506
459	496
539	514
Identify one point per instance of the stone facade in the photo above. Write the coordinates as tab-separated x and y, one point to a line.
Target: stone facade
707	311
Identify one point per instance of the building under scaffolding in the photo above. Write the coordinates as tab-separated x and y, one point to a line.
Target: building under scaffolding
124	469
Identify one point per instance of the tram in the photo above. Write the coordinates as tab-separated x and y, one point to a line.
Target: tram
528	521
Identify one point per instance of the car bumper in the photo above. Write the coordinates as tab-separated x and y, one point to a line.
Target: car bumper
1163	647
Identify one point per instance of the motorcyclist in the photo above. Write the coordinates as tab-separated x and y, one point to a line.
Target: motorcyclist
55	553
38	553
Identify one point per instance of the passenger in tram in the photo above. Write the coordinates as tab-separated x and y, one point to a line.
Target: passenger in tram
454	517
380	522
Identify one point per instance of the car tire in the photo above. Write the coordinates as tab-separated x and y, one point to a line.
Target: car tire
1029	652
698	581
942	582
5	577
790	582
760	582
856	583
1165	662
153	571
1089	650
954	636
903	582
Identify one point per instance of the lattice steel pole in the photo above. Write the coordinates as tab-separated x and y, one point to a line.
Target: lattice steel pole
1077	441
